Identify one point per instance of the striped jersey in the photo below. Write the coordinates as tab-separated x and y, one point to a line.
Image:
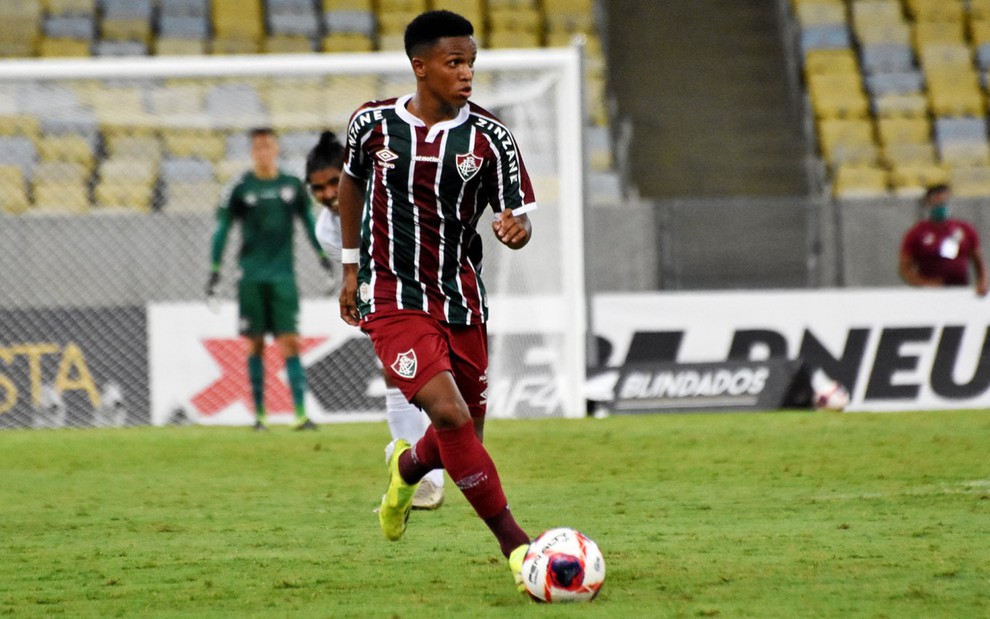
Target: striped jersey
425	192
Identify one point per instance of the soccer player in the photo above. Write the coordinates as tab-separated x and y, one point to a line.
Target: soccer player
939	250
323	169
265	201
419	173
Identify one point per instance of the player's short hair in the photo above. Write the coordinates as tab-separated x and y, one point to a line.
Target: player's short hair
935	189
423	31
257	132
328	153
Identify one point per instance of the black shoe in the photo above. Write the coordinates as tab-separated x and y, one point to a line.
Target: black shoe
306	424
260	426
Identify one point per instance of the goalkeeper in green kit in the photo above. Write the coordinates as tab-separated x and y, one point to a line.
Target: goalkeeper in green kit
266	201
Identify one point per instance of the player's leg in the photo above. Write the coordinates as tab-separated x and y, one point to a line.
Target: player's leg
406	421
252	325
285	322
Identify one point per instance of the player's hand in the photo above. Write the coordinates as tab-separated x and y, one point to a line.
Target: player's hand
511	230
981	287
211	283
348	295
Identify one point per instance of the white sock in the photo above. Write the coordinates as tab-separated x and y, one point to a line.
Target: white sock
407	421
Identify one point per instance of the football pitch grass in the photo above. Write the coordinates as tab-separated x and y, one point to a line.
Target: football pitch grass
790	514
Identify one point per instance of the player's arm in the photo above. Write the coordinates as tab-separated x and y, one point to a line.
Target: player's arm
224	218
513	231
908	270
350	202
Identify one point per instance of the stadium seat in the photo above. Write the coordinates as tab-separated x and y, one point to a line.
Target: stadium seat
904	82
830	61
64	48
870	12
229	169
837	95
820	12
145	148
927	32
297	24
884	32
936	10
180	47
900	104
830	36
70	7
955	93
970	181
123	196
979	10
474	10
288	44
297	108
394	22
347	5
886	57
347	42
860	181
183	143
184	27
69	147
510	39
13	190
517	21
62	196
184	8
962	141
238	20
109	47
191	196
904	131
403	6
20	151
906	153
847	140
21	28
235	106
911	180
941	56
188	169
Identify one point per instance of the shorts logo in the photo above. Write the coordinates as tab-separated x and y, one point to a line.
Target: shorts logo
365	292
468	165
405	364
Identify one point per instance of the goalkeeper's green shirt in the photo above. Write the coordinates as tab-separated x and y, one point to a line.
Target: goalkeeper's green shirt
266	210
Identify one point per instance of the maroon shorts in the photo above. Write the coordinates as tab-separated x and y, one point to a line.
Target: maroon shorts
414	347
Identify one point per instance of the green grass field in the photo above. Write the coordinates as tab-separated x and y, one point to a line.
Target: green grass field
734	515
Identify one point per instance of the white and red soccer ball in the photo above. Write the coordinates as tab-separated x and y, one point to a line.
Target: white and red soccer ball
831	397
563	565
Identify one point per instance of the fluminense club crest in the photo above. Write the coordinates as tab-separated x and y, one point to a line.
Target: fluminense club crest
468	165
405	364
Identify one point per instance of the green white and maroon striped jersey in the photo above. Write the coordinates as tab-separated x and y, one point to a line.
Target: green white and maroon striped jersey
425	191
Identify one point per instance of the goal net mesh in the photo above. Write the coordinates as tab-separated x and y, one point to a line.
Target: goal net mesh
110	175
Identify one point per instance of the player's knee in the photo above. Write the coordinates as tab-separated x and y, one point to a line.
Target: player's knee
448	414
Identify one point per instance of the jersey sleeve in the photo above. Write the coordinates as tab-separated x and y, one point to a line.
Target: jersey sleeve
972	235
328	233
356	162
226	211
506	178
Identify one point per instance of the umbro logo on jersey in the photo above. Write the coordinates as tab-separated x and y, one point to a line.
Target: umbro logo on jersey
386	157
468	165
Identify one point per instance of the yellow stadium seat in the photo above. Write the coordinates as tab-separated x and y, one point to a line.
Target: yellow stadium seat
847	140
238	19
348	5
53	171
936	10
896	32
70	7
391	42
831	61
209	145
955	93
347	42
904	131
979	31
869	12
519	20
120	29
395	22
403	6
494	5
229	169
300	108
71	147
911	180
117	105
473	10
60	196
965	154
145	148
837	95
979	10
13	193
970	181
942	56
199	196
180	47
64	48
901	104
19	124
904	153
180	101
860	181
505	39
926	32
123	195
228	46
120	170
288	44
820	12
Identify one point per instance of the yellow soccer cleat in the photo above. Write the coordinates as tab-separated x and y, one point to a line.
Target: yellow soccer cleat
397	500
516	564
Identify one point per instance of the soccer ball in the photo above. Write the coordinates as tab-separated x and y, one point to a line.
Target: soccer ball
563	565
831	396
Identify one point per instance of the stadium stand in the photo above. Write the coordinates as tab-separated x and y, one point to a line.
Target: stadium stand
127	147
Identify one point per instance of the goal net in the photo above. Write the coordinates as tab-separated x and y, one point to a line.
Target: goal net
110	174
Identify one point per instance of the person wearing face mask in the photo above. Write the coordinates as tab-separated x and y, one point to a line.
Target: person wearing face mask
938	250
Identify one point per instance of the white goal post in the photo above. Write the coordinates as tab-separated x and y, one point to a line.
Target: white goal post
125	158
